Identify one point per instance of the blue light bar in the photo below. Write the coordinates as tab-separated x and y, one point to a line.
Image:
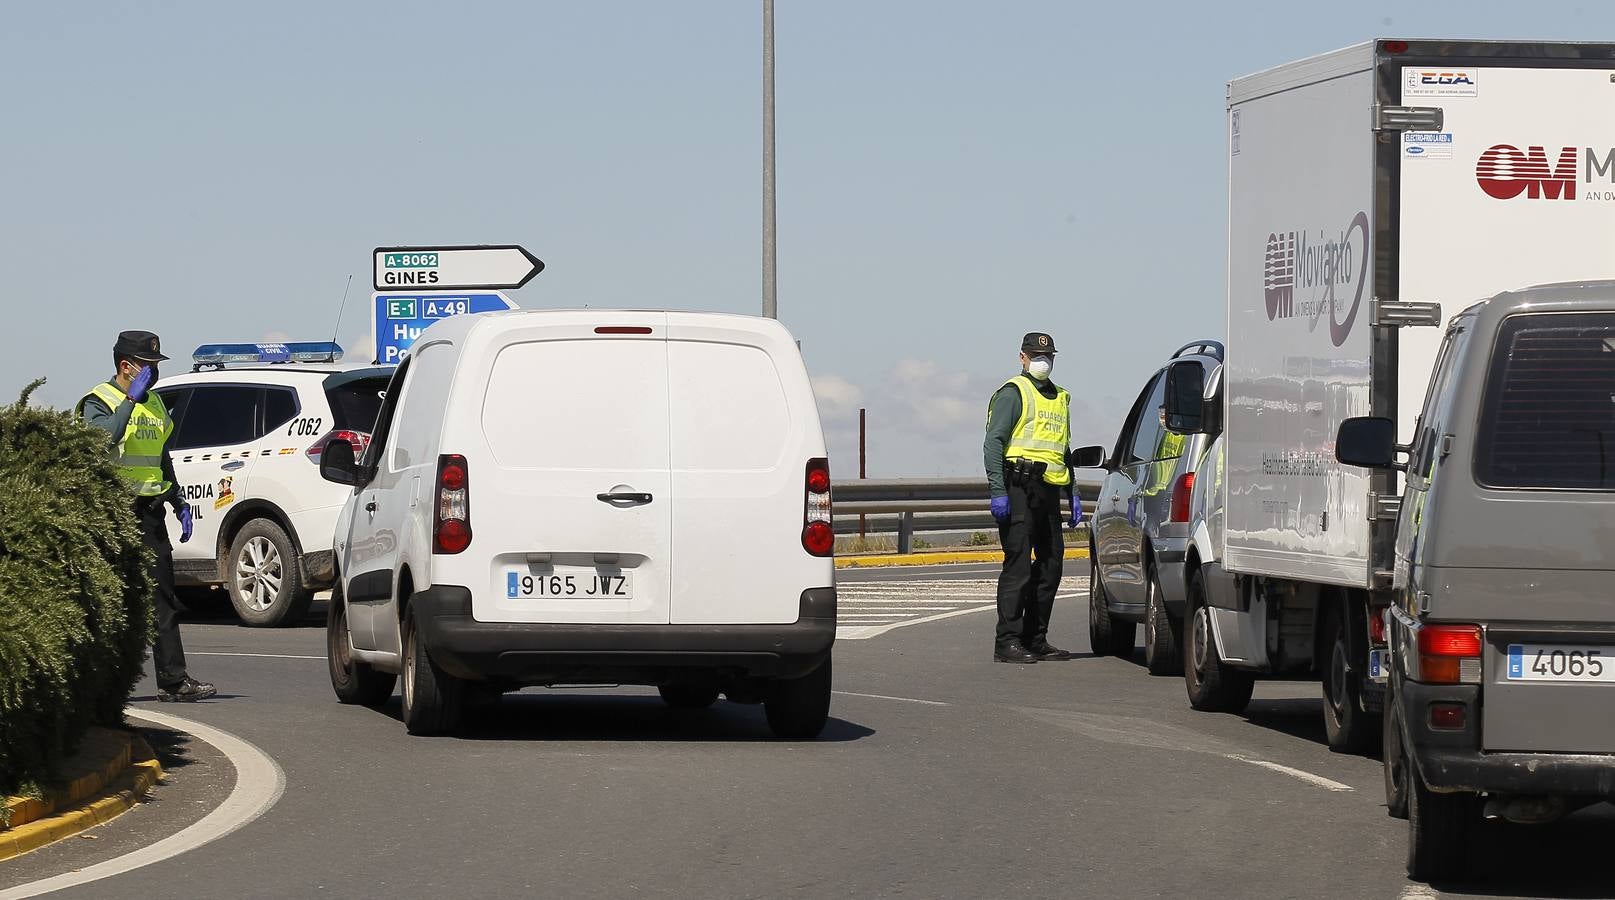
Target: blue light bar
306	351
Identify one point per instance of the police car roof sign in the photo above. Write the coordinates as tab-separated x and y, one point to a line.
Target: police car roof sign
397	319
483	267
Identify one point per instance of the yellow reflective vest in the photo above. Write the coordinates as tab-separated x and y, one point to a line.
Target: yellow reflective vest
1043	432
139	454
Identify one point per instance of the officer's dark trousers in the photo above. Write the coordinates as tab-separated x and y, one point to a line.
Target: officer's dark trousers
168	654
1034	555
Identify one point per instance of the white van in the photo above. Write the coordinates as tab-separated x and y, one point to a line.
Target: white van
589	496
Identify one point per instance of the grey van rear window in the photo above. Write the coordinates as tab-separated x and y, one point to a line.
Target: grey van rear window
1548	420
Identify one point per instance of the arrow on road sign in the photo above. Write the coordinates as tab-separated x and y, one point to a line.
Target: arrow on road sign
454	268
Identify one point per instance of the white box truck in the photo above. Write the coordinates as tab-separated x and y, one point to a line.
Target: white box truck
1366	189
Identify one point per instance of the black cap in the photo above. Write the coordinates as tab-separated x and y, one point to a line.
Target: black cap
141	345
1037	343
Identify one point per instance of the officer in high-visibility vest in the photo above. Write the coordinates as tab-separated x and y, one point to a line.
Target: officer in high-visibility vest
140	427
1028	442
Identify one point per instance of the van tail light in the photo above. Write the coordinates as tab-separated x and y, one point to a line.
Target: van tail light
451	525
359	440
1182	492
1450	654
818	529
1376	628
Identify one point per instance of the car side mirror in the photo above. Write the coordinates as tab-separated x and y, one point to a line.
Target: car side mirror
1368	442
338	465
1185	397
1087	458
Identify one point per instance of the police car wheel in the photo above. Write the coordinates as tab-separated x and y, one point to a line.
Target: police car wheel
353	681
265	576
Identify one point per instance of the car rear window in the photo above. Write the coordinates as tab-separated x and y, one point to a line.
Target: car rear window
1549	416
356	402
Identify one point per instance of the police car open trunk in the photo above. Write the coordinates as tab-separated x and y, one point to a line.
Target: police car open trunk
1362	184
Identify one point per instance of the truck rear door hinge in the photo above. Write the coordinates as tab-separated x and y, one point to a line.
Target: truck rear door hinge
1386	506
1408	118
1404	313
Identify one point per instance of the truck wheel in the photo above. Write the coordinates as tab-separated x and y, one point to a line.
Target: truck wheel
1347	727
265	576
1439	828
798	708
1163	654
1397	762
1107	635
355	682
1213	686
689	696
432	697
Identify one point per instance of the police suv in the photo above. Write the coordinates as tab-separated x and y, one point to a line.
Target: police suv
251	421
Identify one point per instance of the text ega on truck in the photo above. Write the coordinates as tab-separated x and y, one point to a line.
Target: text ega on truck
1367	188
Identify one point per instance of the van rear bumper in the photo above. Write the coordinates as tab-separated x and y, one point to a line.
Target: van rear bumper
550	653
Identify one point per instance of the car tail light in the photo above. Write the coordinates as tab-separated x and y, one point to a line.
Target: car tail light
1450	654
359	440
451	527
1376	629
818	529
1448	716
1182	492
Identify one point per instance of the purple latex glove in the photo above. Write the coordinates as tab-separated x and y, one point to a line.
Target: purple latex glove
1076	514
142	384
1000	508
184	522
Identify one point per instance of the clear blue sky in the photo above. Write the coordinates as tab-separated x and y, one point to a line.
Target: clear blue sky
950	175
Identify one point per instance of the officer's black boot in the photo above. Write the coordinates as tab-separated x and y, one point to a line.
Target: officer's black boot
1013	652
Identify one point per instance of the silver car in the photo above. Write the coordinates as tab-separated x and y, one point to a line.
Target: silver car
1140	529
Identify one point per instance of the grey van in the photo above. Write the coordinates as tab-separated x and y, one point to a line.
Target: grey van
1140	529
1502	637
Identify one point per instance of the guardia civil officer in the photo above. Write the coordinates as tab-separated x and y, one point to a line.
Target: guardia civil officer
1028	442
139	428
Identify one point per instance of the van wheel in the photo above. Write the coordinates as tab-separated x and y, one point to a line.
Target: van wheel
1213	686
265	577
355	682
798	708
1347	727
689	696
1397	762
432	698
1439	828
1107	635
1162	653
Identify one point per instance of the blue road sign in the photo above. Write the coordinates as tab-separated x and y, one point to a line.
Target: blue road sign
398	319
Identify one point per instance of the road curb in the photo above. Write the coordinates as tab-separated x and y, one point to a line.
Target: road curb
941	558
124	781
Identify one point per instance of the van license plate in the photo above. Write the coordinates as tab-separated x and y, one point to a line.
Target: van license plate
563	584
1557	662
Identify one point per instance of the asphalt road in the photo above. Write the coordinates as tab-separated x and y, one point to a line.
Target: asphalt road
942	775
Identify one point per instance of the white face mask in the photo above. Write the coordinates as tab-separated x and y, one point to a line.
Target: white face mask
1040	367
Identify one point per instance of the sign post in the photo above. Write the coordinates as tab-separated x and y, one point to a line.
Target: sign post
397	319
492	267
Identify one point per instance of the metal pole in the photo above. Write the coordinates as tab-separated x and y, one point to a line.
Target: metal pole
770	260
863	460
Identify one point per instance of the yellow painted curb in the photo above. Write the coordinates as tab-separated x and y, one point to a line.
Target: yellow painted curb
24	810
943	558
128	789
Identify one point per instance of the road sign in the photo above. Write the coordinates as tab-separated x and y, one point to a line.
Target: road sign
454	268
398	319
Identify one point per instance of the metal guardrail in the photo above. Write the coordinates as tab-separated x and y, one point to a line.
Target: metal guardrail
909	505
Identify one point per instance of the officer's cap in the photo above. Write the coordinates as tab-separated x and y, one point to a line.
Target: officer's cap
1037	343
141	345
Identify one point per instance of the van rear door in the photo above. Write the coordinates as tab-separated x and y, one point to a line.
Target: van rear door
572	507
744	425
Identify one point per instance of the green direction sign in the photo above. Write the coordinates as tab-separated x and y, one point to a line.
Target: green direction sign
400	307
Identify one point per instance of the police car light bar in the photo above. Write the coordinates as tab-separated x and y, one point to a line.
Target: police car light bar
221	355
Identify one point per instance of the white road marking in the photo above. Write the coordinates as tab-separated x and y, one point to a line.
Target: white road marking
885	697
259	784
1308	777
864	634
1419	892
864	606
252	655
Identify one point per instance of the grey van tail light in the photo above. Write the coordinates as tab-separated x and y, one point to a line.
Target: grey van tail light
451	524
1450	654
818	530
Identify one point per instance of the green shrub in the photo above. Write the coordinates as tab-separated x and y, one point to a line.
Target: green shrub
982	539
75	594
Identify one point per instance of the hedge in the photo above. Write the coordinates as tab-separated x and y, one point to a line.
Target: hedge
75	593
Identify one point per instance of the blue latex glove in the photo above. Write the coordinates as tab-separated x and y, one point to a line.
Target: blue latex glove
1076	514
184	522
1000	507
142	384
